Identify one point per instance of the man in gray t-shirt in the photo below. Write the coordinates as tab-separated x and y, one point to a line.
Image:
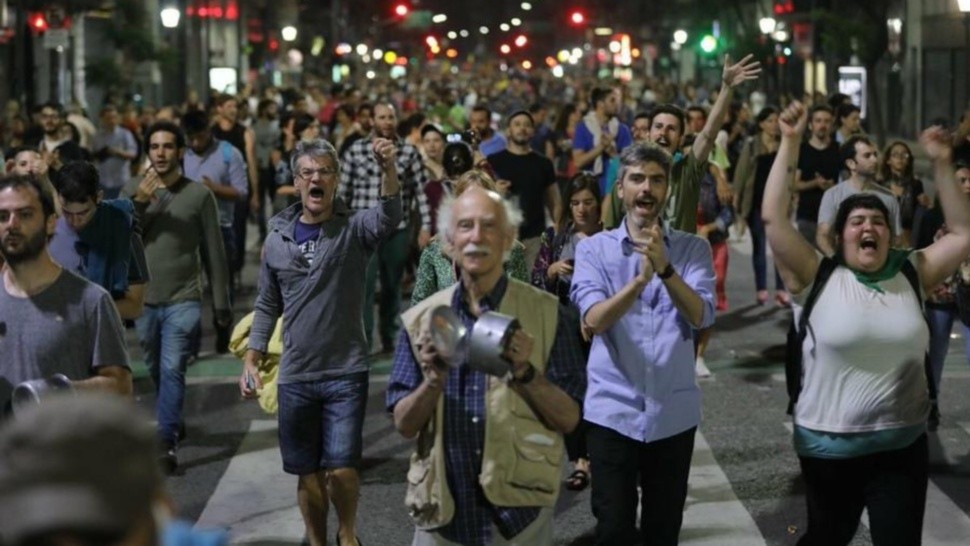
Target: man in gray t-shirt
861	158
51	320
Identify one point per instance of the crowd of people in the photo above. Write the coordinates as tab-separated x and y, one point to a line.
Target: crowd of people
598	220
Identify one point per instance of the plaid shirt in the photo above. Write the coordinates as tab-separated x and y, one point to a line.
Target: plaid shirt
360	179
464	429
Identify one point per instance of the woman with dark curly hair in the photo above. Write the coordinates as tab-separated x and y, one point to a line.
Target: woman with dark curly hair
553	272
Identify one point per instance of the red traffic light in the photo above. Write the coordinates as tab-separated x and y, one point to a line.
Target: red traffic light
577	17
37	22
401	10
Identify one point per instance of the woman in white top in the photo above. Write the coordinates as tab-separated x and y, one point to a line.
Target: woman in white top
860	418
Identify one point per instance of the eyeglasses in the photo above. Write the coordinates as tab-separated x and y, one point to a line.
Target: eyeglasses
307	174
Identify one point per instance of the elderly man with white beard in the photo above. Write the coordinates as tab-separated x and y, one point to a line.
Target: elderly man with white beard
486	473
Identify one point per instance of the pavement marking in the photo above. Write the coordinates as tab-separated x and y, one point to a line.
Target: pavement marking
944	523
713	514
255	500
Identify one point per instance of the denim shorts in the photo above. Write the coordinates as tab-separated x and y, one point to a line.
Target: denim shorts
321	423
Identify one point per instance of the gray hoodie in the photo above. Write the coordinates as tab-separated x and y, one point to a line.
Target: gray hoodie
322	304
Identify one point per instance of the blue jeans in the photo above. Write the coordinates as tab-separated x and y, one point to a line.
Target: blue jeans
759	259
165	333
940	322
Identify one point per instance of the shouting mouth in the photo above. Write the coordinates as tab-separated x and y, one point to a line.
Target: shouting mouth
868	243
317	193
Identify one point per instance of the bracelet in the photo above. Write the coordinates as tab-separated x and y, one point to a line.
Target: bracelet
667	272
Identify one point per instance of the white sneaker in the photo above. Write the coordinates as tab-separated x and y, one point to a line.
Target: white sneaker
700	368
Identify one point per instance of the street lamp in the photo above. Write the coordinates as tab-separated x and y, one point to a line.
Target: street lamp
680	36
170	17
767	25
288	33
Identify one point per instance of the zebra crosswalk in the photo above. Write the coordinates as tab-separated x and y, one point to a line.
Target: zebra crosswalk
255	502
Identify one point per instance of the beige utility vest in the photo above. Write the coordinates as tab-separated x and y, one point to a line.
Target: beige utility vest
521	459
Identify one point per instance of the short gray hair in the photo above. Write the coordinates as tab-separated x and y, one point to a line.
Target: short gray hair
640	153
511	211
315	148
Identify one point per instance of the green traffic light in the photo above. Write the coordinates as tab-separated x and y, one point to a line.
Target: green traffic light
708	44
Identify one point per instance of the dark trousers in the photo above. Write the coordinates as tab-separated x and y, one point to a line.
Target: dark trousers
267	189
759	255
890	485
388	262
576	443
239	220
660	468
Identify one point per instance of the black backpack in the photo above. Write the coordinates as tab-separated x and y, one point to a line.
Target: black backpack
796	335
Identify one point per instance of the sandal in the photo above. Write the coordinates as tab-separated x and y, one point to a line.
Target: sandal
578	480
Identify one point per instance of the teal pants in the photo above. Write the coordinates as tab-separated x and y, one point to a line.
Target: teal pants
389	261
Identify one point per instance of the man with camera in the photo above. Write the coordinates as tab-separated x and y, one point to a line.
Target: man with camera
486	469
52	322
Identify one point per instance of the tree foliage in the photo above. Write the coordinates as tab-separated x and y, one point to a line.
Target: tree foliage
130	32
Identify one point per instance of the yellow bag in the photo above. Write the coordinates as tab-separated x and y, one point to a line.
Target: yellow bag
269	367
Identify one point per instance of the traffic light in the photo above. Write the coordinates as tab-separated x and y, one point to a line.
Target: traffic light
577	17
708	44
781	7
402	10
37	22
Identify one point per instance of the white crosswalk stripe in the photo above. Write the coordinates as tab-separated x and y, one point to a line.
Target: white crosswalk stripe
714	515
255	501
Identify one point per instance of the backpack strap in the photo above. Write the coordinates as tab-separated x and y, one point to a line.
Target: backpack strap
796	333
226	150
909	270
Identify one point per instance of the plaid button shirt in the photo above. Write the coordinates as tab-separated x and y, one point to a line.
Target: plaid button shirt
360	179
464	421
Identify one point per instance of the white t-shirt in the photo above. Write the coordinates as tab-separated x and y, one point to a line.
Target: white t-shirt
862	358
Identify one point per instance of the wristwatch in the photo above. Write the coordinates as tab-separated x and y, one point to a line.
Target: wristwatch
667	272
527	377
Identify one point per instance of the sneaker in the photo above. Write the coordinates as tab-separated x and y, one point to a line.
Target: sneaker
168	458
701	369
933	422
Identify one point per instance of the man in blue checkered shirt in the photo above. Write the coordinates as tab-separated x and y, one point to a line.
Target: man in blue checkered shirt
486	473
360	188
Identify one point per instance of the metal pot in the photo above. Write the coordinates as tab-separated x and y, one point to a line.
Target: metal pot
34	391
449	336
488	341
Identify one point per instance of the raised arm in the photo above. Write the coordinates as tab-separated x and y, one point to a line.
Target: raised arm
732	76
794	257
941	259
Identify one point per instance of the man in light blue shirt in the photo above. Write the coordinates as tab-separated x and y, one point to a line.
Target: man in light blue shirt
114	149
643	289
222	169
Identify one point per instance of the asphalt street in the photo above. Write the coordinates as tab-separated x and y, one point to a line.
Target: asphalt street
744	486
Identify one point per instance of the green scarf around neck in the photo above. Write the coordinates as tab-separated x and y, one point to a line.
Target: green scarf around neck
894	263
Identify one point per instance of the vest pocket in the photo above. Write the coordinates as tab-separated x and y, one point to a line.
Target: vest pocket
536	466
418	498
